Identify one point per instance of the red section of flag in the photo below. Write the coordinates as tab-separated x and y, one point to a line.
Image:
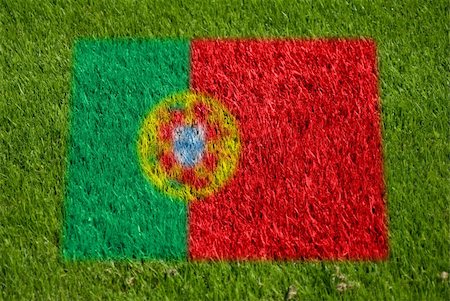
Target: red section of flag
309	182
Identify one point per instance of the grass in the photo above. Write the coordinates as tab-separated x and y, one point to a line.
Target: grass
36	41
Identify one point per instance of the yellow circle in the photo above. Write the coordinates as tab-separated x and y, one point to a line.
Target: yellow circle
221	150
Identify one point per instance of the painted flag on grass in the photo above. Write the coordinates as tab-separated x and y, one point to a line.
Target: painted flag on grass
225	149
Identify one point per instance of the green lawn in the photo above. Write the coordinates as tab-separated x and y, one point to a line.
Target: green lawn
36	42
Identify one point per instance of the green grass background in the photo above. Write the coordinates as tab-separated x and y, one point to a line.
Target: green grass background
36	41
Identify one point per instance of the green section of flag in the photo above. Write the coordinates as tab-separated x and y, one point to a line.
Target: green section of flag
112	210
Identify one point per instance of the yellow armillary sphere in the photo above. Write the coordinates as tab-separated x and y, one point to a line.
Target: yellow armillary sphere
189	145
